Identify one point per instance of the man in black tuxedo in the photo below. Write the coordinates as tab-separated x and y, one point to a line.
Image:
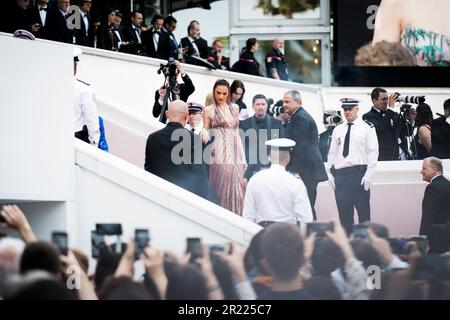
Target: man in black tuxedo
57	23
387	124
256	130
37	19
155	40
132	33
306	160
440	134
183	90
193	44
85	35
436	202
170	24
183	171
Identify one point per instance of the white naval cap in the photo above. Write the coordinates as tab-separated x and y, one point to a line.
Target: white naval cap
280	144
23	34
348	103
76	53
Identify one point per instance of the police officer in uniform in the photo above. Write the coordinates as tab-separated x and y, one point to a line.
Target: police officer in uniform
351	161
86	122
274	194
276	66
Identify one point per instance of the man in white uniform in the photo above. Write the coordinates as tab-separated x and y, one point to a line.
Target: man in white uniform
86	124
275	195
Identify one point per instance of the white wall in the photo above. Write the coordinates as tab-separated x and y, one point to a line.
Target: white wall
36	112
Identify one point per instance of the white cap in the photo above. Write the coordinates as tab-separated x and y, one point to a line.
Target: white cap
281	144
23	34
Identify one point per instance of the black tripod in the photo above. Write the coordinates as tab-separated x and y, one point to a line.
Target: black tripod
173	92
410	150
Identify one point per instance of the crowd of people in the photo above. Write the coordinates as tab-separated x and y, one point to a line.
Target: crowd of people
115	31
282	262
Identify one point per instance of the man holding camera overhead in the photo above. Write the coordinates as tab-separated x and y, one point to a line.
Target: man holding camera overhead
180	91
387	124
351	161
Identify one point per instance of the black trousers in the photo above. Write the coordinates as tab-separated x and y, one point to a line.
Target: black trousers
350	194
83	134
311	188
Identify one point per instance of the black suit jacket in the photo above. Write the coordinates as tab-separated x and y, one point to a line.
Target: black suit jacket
12	18
149	45
57	27
158	159
34	17
435	209
186	89
305	158
129	35
80	34
256	150
202	46
440	137
388	131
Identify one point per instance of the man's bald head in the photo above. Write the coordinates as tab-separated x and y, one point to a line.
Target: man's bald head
177	111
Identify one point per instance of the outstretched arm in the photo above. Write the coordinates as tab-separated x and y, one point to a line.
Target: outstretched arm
388	24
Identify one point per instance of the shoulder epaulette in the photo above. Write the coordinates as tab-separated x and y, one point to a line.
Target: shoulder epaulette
370	124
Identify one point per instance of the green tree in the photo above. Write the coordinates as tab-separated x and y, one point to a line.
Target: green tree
287	7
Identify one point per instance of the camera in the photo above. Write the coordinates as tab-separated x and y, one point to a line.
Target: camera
170	72
360	232
97	242
217	248
332	119
410	99
276	109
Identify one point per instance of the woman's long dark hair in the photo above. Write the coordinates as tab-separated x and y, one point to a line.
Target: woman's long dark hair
424	115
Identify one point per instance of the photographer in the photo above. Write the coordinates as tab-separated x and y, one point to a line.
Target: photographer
331	119
176	91
387	124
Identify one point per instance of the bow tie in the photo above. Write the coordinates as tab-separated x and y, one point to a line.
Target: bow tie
158	32
45	9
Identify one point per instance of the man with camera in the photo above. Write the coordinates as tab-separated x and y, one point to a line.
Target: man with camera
440	134
351	162
435	204
331	119
171	90
275	195
387	124
256	130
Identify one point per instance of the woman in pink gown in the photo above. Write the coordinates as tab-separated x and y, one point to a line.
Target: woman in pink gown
227	163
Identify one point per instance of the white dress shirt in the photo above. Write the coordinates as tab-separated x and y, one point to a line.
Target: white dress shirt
86	22
85	111
363	148
42	14
276	195
197	130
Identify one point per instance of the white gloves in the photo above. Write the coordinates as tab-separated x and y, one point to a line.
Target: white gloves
366	183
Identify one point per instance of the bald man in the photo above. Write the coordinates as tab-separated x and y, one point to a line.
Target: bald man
170	152
276	66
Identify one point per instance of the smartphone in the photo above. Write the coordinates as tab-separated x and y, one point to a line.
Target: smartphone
141	239
398	246
319	228
421	242
217	248
97	242
61	241
194	247
360	232
108	229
